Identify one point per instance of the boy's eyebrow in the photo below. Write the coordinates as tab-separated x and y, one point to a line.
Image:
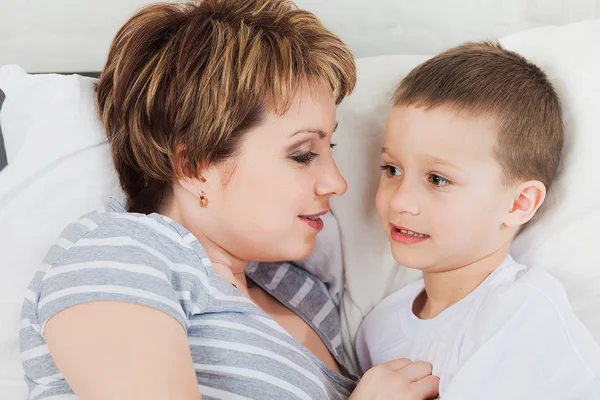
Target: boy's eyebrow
386	151
436	160
426	159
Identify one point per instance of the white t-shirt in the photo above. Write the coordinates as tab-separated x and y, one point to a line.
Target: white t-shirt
514	337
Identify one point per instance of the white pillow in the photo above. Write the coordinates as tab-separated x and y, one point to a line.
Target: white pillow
563	239
59	169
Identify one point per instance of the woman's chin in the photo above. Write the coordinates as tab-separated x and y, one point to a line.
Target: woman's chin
300	251
291	252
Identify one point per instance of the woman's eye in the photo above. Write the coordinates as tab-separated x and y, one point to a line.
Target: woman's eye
439	181
391	170
332	145
304	158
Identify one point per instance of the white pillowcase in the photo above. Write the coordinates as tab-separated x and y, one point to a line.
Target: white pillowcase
563	238
59	169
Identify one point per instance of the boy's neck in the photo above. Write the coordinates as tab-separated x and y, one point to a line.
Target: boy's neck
443	289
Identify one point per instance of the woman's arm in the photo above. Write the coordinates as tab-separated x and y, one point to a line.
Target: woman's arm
116	350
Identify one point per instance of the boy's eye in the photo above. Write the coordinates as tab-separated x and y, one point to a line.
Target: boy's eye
439	181
304	158
390	170
332	145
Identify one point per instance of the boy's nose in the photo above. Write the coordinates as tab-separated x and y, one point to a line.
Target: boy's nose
405	200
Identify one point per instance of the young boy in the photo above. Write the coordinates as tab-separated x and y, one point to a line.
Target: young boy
471	147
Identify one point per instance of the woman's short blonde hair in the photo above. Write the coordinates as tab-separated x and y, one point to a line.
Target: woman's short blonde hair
199	75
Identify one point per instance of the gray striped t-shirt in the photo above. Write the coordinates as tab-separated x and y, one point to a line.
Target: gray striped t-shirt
238	351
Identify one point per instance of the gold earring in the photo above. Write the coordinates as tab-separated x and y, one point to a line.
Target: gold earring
203	199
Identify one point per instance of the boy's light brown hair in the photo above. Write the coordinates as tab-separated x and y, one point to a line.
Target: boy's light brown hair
198	76
484	79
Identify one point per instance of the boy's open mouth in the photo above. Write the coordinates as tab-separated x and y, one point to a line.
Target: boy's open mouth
407	236
411	233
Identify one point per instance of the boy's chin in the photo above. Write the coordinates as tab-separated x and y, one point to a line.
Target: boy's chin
417	261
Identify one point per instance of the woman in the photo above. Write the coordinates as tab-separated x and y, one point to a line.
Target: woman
219	115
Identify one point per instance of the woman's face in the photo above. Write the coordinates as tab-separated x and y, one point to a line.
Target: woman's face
264	203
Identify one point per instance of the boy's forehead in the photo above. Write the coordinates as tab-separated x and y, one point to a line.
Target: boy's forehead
441	135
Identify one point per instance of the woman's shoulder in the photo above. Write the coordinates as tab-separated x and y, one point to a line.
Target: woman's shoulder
130	247
111	254
112	220
111	228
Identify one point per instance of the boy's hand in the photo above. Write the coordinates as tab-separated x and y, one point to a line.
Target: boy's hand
399	379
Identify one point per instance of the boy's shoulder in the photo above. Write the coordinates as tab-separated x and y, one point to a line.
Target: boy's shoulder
523	293
529	287
534	307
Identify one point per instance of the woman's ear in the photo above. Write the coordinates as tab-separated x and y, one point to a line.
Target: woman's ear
180	164
526	200
190	181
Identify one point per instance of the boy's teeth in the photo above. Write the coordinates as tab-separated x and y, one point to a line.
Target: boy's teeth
411	233
313	218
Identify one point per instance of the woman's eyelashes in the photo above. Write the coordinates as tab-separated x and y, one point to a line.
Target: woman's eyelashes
305	157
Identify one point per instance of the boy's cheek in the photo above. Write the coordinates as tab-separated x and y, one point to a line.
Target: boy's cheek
382	204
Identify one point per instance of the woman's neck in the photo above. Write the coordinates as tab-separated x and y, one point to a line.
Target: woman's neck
230	270
224	263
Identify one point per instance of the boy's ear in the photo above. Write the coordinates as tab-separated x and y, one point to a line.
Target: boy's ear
527	199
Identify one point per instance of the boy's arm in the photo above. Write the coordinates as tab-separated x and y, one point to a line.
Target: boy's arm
536	353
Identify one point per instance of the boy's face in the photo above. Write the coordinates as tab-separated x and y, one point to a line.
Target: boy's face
441	199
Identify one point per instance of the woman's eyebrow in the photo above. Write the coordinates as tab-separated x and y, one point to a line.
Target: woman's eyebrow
322	134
